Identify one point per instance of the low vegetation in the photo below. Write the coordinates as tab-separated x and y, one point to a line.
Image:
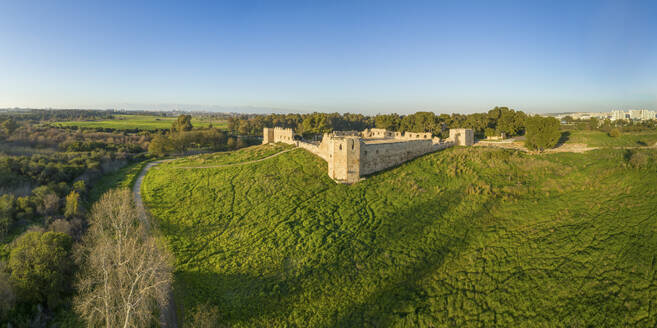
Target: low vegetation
461	237
617	139
141	122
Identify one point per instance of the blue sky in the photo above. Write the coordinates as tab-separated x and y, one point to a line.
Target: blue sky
352	56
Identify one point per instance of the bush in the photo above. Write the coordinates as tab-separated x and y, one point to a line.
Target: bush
638	159
204	316
614	133
542	133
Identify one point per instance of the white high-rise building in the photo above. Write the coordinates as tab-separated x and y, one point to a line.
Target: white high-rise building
617	115
633	114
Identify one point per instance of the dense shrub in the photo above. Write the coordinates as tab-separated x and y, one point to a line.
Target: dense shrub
40	263
542	133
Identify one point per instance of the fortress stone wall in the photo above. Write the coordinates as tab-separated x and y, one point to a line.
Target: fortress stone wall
351	155
274	135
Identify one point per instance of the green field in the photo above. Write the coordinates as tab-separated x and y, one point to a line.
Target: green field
461	237
144	122
602	139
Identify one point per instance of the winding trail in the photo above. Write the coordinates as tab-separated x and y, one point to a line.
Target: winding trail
168	317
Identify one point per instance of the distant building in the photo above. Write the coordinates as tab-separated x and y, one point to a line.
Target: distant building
618	115
633	114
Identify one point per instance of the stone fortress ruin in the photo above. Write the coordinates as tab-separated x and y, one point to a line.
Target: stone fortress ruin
351	154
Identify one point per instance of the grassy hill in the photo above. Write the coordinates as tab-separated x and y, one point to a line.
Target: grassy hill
144	122
602	139
461	237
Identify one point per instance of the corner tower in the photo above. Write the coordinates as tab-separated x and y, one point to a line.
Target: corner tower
344	159
267	135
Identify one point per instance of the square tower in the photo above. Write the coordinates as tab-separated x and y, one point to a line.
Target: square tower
344	159
461	137
267	135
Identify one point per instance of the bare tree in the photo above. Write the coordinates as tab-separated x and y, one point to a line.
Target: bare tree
126	273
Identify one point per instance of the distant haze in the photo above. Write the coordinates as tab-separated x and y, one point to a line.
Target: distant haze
330	56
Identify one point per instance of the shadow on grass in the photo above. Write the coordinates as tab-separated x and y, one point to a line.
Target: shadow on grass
565	136
403	294
239	297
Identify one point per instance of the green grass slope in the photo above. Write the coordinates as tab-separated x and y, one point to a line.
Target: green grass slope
602	139
144	122
230	157
461	237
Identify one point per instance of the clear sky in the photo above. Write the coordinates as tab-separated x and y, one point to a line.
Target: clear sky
351	56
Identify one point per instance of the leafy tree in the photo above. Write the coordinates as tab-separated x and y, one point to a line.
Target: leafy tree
594	123
182	123
9	126
72	204
7	213
79	186
47	200
160	145
389	122
216	139
507	121
40	263
542	133
25	208
231	143
614	133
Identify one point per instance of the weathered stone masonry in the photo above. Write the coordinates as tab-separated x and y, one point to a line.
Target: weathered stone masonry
351	154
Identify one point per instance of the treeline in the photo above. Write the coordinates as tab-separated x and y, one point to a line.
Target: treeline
496	121
27	134
608	125
182	137
44	200
307	124
39	169
57	115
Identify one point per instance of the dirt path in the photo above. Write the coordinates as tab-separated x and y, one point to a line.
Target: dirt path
563	148
167	312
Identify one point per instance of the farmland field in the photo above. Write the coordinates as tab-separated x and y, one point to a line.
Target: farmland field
461	237
602	139
144	122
